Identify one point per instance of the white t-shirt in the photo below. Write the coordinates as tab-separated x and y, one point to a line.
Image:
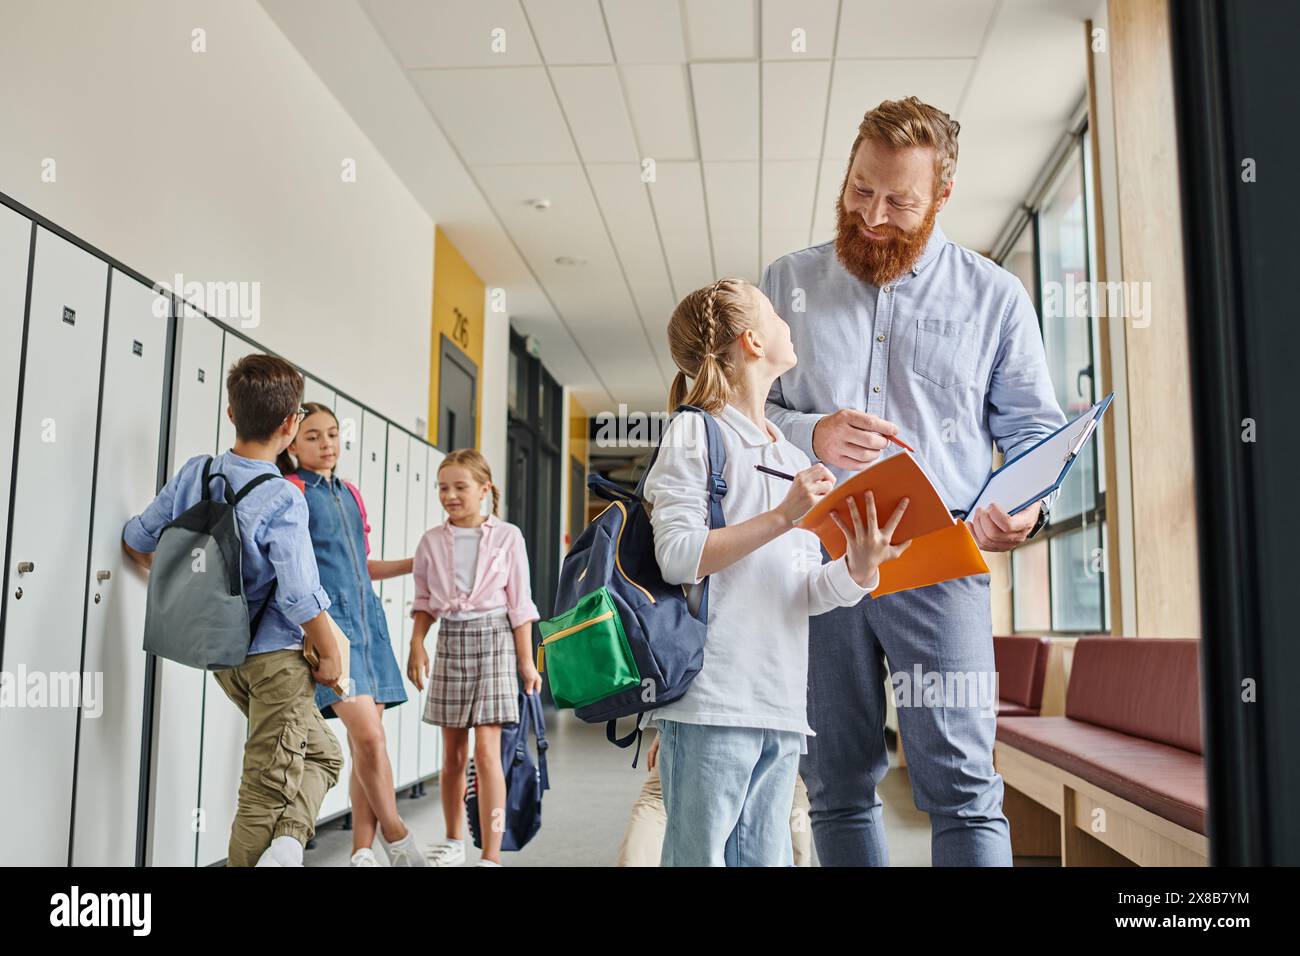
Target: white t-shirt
464	548
755	671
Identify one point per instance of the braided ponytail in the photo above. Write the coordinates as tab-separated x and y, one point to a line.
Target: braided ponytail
702	328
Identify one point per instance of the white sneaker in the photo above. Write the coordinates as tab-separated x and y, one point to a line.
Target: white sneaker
488	863
450	853
364	857
283	851
403	852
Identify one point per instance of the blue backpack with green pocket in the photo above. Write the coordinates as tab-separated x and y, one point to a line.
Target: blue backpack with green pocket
628	642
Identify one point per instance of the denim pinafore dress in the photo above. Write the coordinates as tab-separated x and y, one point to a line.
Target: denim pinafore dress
338	537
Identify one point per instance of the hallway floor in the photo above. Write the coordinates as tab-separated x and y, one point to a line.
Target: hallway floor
593	787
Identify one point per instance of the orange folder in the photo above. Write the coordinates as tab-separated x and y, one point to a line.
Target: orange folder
942	547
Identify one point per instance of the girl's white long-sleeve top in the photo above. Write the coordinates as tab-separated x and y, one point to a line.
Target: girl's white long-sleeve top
755	671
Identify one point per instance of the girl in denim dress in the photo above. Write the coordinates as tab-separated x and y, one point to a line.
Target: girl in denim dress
340	538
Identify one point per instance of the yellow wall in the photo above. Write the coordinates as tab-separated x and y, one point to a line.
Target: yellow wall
578	432
458	297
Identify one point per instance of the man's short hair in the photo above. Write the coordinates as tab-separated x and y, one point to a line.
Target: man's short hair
909	122
263	391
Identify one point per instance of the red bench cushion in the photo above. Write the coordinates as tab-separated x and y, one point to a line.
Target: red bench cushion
1146	687
1166	780
1022	666
1009	708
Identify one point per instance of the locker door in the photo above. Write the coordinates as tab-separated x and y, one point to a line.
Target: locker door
196	394
50	548
349	465
314	391
224	728
374	471
108	750
431	736
392	591
416	502
15	249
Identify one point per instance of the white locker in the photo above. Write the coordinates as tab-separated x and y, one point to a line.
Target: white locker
50	544
196	397
431	736
15	251
349	465
108	748
224	728
374	469
416	502
393	590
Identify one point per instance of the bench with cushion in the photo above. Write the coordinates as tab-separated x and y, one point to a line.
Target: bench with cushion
1121	777
1022	670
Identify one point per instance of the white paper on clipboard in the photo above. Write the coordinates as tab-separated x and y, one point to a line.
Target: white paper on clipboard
1036	473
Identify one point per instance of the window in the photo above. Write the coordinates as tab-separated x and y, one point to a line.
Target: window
1059	580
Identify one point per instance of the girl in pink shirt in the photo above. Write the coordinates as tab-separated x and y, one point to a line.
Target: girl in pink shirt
472	575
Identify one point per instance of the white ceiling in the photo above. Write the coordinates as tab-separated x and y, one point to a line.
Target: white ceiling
749	139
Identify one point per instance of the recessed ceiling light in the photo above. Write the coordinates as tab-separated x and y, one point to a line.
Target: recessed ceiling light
541	205
570	261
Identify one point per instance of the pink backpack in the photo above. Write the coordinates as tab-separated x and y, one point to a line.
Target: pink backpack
356	495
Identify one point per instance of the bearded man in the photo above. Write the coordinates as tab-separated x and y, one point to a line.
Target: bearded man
900	331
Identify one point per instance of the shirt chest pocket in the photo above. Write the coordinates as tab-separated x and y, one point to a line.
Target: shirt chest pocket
940	356
495	572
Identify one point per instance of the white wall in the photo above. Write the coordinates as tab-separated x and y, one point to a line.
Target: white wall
223	166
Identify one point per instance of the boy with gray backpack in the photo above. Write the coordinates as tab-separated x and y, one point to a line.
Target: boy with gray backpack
234	589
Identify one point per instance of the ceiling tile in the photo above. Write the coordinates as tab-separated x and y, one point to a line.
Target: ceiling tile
732	192
661	111
646	32
917	28
678	197
448	33
498	116
788	188
721	29
569	31
726	109
815	19
794	108
593	103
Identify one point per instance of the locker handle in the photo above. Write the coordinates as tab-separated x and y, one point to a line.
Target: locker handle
102	576
26	567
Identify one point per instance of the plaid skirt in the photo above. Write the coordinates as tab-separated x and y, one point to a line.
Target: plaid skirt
474	679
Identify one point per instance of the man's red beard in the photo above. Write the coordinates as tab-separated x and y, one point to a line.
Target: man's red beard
879	261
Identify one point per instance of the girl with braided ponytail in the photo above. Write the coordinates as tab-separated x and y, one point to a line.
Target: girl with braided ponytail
728	749
471	573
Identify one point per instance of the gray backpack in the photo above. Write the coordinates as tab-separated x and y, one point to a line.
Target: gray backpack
197	612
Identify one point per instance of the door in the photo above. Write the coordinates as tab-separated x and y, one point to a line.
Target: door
374	474
15	248
349	464
457	385
175	820
49	549
105	821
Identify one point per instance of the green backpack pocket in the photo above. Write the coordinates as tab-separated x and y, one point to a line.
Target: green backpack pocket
585	652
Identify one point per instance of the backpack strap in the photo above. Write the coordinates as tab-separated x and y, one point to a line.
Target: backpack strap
716	485
234	501
361	506
208	475
296	481
533	713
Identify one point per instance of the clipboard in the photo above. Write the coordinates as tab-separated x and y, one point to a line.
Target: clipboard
1038	471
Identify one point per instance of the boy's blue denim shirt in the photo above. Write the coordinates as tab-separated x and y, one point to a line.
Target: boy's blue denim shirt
276	542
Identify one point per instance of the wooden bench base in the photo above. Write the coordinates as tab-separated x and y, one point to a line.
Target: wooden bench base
1053	813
